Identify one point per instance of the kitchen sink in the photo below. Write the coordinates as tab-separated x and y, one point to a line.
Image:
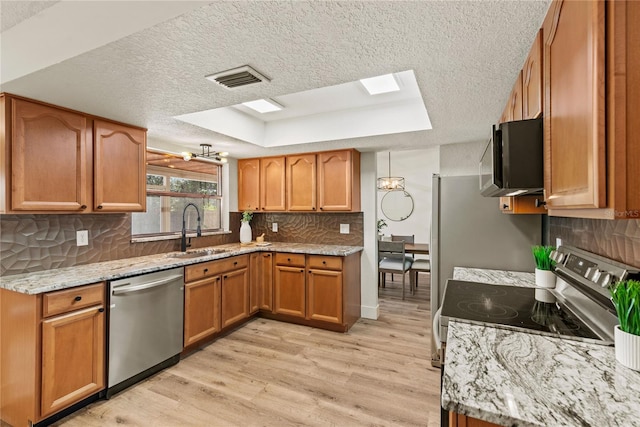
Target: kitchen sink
196	253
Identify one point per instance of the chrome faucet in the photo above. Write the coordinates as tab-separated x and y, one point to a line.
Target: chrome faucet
183	240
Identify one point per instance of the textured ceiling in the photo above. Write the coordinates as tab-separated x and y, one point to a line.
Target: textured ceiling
465	55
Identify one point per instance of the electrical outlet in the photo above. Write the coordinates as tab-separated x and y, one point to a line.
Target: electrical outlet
274	227
344	228
558	242
82	238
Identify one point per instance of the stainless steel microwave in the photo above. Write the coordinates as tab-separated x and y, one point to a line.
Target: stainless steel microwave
512	161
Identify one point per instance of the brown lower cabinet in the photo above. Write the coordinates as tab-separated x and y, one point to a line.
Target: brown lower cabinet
459	420
318	290
53	351
216	296
261	277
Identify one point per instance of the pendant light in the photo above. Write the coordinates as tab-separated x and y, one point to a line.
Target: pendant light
391	183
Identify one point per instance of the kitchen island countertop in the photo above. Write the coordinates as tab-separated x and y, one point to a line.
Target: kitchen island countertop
523	379
62	278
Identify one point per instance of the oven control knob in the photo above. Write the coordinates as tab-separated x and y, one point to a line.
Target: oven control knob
590	273
595	274
558	258
606	280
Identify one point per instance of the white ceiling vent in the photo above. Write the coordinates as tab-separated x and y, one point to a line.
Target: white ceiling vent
237	77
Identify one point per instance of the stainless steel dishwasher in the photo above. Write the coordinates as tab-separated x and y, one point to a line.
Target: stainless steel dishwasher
145	326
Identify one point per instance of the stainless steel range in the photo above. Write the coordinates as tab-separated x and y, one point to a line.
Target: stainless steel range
578	308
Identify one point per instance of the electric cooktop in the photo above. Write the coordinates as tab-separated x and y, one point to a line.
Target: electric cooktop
515	307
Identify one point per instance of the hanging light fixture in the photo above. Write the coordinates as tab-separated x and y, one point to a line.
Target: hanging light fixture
206	153
391	183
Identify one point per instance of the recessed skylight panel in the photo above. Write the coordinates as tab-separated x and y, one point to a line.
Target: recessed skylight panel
263	105
380	84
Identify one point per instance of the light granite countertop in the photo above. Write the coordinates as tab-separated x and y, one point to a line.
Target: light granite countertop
516	378
520	379
68	277
495	277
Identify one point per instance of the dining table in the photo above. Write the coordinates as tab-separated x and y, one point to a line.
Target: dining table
417	248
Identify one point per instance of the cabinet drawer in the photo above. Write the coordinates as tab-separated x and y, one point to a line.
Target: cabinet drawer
293	260
212	268
72	299
325	262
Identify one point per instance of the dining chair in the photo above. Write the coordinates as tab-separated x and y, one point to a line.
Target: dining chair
418	266
393	260
406	239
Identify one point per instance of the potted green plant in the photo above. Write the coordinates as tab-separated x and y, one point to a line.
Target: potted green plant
245	228
545	277
626	299
381	224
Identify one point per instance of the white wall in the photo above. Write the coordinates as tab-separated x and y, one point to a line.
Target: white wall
369	308
417	168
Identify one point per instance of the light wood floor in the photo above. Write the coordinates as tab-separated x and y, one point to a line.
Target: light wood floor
270	373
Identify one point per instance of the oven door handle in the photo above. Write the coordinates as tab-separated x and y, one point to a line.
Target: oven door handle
128	289
436	329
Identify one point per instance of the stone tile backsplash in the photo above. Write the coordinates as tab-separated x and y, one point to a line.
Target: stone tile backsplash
41	242
615	239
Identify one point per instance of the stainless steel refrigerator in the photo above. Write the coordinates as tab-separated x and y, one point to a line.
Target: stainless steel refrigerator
469	230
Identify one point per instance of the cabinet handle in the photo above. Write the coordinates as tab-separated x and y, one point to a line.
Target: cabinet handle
539	203
99	206
321	208
235	263
83	207
505	206
289	259
225	276
78	298
217	279
302	271
313	208
101	310
206	270
324	262
266	255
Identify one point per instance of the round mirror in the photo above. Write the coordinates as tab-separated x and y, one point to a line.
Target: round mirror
397	205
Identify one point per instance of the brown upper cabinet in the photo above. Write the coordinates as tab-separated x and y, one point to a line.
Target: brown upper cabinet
249	184
301	183
261	184
592	89
56	160
120	182
513	109
532	81
316	182
339	180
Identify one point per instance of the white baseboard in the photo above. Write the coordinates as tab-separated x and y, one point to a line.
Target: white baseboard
370	312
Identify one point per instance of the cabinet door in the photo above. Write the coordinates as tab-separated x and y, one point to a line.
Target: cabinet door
301	182
119	168
49	159
324	295
515	100
289	291
335	181
532	81
266	282
73	348
261	289
255	267
574	109
249	184
201	309
235	296
272	184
